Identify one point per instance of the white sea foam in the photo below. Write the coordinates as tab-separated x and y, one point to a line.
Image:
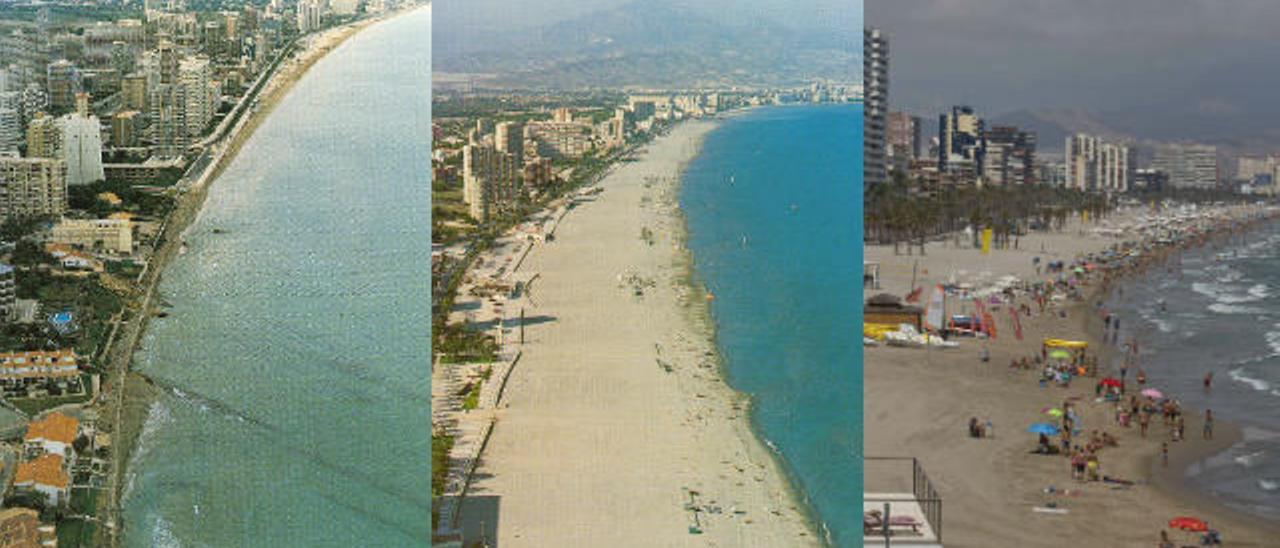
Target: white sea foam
158	417
1222	308
1273	340
1250	459
1269	484
162	536
1239	376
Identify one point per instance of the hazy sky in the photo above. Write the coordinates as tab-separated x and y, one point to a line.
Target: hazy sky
455	17
1213	56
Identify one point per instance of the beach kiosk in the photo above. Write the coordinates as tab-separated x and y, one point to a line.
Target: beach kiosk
889	310
1074	352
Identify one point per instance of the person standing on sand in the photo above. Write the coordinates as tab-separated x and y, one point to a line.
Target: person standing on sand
1208	424
1144	420
985	356
1164	454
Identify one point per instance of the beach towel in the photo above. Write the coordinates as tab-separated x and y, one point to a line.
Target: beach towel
1047	510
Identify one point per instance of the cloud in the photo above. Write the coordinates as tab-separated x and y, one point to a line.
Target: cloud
1006	55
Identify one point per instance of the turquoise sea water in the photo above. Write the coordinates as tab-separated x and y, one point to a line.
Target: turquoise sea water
774	210
298	335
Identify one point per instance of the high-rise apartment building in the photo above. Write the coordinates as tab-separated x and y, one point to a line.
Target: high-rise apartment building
200	94
133	92
902	138
490	181
32	187
124	128
179	112
82	148
309	12
961	140
875	104
44	136
1188	166
10	131
64	82
1010	157
1095	164
508	138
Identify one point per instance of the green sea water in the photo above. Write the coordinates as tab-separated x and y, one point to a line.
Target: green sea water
297	340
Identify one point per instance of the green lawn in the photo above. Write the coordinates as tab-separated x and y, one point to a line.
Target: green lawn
33	407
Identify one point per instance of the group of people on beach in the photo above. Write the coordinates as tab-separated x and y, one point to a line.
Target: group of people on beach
1099	275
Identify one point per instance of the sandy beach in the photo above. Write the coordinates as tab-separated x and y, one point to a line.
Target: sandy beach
615	420
918	404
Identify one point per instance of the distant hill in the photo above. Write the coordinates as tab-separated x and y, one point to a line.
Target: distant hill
1053	126
651	44
1234	133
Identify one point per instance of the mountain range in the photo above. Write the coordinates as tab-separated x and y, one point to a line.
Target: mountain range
650	45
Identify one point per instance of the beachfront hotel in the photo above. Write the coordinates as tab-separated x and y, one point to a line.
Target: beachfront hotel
110	235
37	364
1188	166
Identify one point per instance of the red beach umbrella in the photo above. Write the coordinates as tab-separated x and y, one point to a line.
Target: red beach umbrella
1187	523
1111	381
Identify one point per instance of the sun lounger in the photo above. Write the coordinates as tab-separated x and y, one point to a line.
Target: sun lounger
873	523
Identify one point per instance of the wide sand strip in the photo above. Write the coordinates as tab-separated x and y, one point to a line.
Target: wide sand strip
616	409
919	403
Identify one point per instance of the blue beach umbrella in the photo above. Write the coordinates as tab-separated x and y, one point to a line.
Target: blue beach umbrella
1043	428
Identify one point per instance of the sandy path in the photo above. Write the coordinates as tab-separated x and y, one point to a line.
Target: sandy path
596	443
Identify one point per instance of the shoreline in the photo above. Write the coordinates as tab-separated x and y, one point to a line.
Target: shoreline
993	483
137	393
1174	480
702	319
702	398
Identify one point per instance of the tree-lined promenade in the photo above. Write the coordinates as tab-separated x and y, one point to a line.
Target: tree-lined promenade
901	212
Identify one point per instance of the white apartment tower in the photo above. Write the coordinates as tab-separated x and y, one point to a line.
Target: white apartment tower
1095	164
81	148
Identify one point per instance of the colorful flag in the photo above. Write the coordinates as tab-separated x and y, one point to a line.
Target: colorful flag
989	324
914	295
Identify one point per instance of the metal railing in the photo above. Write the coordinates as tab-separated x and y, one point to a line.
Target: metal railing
922	489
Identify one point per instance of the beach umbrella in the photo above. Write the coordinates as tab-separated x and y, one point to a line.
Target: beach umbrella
1153	393
1043	428
1060	354
1111	381
1187	523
